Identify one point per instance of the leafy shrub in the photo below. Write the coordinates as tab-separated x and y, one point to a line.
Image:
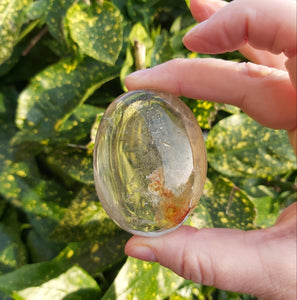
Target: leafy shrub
61	63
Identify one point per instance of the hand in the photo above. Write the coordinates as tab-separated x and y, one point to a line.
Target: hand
266	93
261	262
258	262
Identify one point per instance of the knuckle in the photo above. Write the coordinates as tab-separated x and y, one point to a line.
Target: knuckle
198	267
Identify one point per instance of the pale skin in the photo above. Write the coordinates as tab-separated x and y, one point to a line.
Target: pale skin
260	262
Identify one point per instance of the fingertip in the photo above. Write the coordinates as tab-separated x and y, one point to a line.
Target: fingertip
199	39
150	248
140	251
191	32
133	79
190	39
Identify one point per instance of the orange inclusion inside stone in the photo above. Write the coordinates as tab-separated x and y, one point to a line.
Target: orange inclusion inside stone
172	209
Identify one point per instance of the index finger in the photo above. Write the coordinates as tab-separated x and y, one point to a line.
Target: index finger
267	25
265	94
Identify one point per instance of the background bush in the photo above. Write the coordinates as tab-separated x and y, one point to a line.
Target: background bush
61	63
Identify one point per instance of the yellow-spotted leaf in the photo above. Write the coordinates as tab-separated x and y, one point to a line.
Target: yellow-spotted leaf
97	30
143	280
139	12
12	250
84	219
78	128
18	170
37	9
97	254
72	162
267	211
12	14
204	111
162	51
223	204
42	201
55	14
48	281
239	146
55	93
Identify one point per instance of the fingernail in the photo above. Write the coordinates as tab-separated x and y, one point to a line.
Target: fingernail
143	253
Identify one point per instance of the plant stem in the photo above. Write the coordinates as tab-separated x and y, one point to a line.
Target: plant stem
35	40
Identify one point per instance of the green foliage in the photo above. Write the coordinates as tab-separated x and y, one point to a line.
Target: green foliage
54	93
224	205
49	280
12	250
87	23
239	146
11	20
61	63
142	280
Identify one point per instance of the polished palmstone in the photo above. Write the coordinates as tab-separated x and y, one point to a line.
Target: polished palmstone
149	162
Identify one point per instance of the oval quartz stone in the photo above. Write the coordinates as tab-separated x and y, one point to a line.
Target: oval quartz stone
149	162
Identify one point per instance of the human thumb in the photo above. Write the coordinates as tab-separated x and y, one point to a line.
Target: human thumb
251	262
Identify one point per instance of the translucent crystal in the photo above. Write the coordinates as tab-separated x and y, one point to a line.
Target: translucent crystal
149	162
